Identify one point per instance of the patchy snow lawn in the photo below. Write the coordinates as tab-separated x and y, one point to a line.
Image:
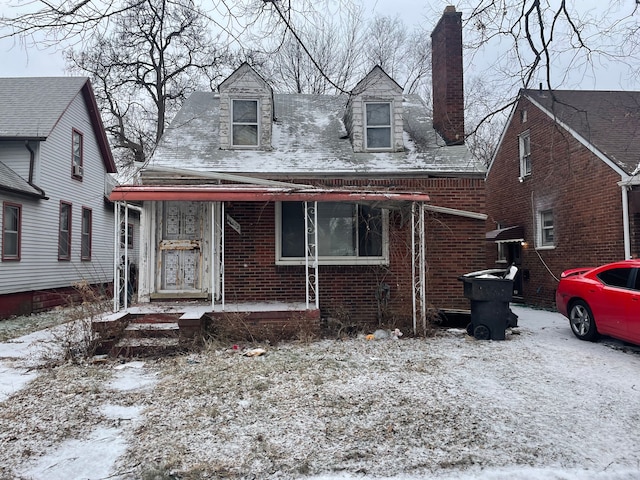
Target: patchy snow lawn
539	405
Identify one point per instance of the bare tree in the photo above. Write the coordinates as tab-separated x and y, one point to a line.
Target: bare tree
155	54
318	52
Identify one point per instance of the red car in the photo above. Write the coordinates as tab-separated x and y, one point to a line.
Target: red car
603	300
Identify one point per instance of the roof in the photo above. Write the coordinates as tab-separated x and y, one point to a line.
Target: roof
607	120
11	181
30	108
309	140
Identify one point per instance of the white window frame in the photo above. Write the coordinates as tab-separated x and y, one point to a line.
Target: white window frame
524	148
334	260
543	241
388	126
240	124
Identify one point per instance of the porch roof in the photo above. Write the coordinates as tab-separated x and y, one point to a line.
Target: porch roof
253	193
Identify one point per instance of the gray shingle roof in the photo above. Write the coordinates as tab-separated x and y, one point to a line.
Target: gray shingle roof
608	120
10	180
309	139
30	107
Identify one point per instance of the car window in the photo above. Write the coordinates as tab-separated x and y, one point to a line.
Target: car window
615	277
637	284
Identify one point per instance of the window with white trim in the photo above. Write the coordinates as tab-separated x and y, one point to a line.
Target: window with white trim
11	231
524	141
244	123
378	125
348	234
545	228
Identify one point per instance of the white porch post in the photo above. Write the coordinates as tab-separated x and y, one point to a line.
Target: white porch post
116	255
418	263
625	222
217	251
311	250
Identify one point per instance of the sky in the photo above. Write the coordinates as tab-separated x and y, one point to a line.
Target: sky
16	61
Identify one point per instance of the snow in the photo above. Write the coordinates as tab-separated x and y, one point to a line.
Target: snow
539	405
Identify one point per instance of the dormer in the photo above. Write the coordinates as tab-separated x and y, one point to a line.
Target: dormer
246	111
373	117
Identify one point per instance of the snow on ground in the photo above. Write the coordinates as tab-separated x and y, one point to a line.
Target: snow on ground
539	405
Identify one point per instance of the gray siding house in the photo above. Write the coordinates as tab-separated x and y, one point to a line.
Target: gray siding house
57	227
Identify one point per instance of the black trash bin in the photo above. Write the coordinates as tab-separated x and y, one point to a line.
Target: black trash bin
490	292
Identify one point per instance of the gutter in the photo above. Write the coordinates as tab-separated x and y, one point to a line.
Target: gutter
32	155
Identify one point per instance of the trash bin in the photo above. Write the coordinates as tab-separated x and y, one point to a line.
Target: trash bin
490	292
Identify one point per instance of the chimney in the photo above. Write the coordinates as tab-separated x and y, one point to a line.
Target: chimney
447	77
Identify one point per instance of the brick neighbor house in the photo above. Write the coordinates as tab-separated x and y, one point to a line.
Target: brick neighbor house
563	187
354	207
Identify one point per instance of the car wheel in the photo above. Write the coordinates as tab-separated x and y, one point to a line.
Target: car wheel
482	332
583	325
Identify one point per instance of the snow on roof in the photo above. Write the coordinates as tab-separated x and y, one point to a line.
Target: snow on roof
308	138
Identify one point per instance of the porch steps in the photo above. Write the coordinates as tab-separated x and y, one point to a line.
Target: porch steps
138	334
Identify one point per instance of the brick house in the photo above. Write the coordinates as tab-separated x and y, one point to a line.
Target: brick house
357	207
562	187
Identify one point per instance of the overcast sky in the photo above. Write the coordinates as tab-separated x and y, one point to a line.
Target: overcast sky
15	61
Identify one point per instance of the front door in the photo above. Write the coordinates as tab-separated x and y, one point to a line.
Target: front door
180	247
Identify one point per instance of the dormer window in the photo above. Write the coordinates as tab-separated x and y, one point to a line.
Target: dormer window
244	123
378	125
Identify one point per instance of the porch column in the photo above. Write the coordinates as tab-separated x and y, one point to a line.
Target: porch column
217	251
418	266
117	209
311	250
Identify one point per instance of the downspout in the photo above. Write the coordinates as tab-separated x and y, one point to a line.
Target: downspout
625	222
32	163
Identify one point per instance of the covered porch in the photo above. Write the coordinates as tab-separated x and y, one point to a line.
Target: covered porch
214	301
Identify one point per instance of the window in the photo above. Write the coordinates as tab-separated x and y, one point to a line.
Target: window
546	228
64	232
244	123
347	233
615	277
129	233
525	154
77	154
85	246
11	229
378	125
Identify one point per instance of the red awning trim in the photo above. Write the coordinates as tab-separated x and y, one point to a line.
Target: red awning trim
240	193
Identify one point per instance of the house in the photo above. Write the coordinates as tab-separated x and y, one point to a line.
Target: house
57	227
359	208
562	187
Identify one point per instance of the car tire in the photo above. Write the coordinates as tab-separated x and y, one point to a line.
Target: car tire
482	332
583	325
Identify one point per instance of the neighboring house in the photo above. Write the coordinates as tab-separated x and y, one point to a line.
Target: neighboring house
352	207
57	225
562	187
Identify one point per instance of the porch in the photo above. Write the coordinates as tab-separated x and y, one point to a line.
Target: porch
167	327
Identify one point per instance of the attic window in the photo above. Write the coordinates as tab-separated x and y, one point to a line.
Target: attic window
244	124
378	125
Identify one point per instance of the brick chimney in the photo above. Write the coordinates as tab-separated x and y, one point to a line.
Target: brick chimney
447	77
